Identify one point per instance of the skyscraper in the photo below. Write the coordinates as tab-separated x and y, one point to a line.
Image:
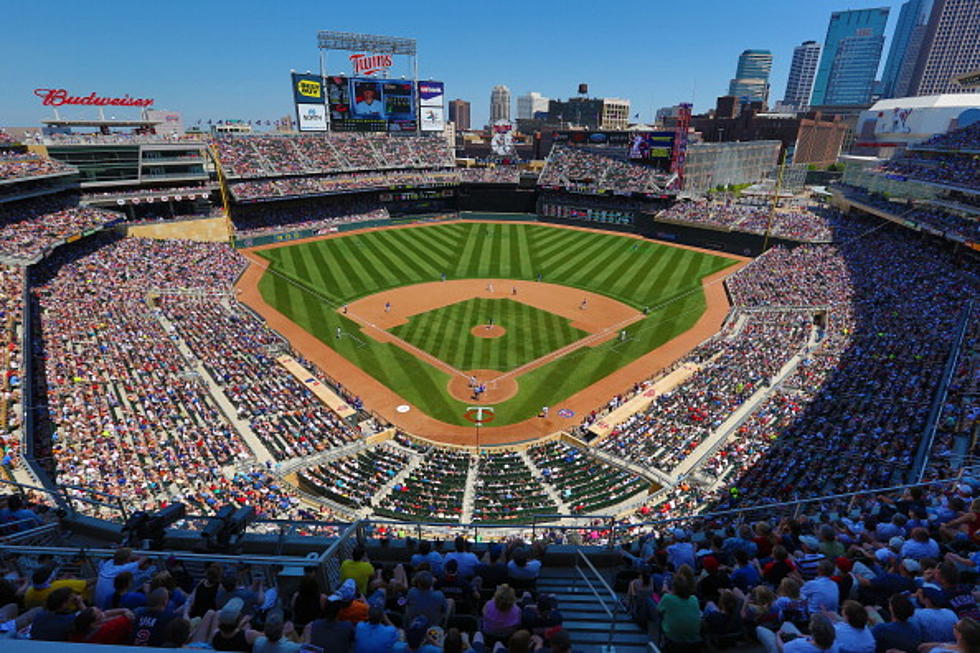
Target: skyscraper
851	53
499	104
906	45
801	74
951	47
459	114
751	83
528	105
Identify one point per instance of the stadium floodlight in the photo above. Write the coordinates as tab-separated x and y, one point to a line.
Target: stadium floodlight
351	41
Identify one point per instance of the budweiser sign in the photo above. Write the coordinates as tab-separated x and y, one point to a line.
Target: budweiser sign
368	64
56	97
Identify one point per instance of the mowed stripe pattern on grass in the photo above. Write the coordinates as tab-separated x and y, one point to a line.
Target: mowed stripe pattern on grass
530	334
310	280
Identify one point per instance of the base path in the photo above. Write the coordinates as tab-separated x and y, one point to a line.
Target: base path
382	400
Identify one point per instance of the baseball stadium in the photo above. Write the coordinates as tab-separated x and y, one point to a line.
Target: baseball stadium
339	383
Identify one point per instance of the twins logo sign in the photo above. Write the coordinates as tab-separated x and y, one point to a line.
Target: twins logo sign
479	415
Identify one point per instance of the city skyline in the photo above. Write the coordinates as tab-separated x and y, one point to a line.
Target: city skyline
214	74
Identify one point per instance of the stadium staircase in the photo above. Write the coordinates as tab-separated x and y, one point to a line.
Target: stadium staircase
595	616
195	366
563	508
381	495
469	494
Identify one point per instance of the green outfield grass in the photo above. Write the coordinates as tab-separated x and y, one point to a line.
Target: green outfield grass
530	334
308	281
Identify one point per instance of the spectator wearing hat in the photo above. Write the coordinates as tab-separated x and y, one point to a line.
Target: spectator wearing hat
713	580
353	607
934	620
541	616
899	633
277	636
252	597
377	634
681	551
809	557
822	592
359	568
230	627
456	588
330	633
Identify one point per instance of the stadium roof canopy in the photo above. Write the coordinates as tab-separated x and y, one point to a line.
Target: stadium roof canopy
929	101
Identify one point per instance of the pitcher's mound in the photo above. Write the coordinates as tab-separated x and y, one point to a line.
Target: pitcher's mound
497	391
493	331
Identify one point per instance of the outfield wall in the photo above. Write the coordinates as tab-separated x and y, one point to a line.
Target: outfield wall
496	198
733	242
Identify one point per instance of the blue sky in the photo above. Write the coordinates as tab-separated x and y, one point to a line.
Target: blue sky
232	59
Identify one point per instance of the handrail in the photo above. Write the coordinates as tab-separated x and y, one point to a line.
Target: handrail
922	456
616	604
782	504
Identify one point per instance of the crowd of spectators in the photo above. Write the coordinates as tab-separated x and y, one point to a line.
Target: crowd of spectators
884	572
742	359
128	420
807	223
498	174
433	490
965	138
24	166
581	170
271	156
11	359
260	219
949	169
437	600
852	414
31	226
353	481
340	183
236	349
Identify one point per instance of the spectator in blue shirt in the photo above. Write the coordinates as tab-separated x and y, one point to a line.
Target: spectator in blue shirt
746	575
426	554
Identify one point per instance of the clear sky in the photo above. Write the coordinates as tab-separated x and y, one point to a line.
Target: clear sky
224	60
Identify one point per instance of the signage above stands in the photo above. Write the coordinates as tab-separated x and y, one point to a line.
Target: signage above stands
56	97
369	64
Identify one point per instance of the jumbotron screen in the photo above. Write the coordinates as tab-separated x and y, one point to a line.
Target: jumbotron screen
365	104
654	147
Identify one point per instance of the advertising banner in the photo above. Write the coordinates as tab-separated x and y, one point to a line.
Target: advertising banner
431	94
311	117
309	98
432	119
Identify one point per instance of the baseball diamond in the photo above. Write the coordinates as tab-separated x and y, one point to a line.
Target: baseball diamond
562	296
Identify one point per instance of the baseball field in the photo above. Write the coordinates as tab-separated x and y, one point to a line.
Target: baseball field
536	313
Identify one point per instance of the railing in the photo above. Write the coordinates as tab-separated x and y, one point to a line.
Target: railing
939	401
621	531
601	596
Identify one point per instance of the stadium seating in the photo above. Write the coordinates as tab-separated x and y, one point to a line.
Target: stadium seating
354	481
584	483
808	224
24	166
30	227
580	170
506	491
11	358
